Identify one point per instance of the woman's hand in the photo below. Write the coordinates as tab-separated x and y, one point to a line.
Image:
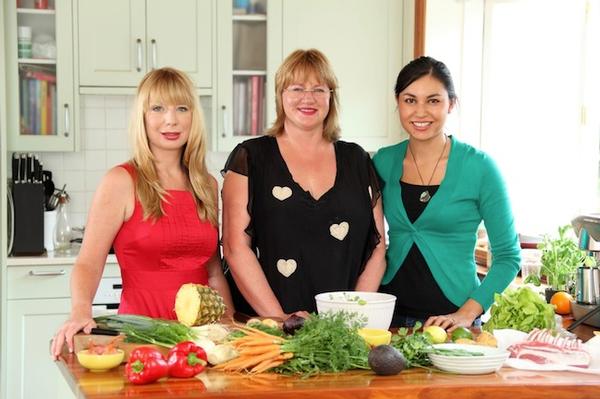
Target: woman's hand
450	322
66	332
463	317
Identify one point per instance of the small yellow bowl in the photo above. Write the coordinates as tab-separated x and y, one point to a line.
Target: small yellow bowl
375	336
100	363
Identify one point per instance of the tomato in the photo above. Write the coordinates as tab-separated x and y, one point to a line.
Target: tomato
562	302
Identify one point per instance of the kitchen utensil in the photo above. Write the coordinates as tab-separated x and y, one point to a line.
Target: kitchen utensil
585	314
55	197
588	285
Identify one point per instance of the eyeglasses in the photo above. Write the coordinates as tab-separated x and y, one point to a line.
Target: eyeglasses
319	93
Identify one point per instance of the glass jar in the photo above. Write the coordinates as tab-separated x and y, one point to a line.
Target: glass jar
62	231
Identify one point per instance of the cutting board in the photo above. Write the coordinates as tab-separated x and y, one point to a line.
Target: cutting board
82	341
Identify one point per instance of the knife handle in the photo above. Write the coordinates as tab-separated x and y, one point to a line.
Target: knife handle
103	331
15	168
22	165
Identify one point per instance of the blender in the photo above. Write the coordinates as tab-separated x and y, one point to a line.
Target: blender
586	308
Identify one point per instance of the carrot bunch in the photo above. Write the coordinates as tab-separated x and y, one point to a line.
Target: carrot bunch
258	352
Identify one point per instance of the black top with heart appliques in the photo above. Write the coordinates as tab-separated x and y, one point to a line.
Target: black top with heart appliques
312	233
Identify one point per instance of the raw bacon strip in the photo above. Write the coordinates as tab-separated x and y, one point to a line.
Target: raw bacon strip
542	347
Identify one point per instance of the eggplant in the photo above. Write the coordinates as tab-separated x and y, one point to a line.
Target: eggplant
292	323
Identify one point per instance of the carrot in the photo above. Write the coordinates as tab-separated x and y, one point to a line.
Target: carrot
265	365
261	342
248	362
257	350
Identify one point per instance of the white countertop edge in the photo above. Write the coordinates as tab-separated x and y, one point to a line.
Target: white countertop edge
49	259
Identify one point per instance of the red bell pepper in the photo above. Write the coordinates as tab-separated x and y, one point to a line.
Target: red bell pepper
186	359
146	365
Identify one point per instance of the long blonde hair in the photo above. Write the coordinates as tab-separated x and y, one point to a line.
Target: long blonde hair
170	86
300	65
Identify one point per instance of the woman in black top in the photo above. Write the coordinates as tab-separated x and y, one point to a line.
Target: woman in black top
301	209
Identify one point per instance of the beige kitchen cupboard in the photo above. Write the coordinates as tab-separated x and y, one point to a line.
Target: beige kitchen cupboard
38	302
119	41
367	45
248	54
41	104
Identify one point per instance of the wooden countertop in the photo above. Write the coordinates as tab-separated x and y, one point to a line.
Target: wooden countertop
413	383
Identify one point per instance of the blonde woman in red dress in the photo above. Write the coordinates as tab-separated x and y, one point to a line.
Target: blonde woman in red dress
158	211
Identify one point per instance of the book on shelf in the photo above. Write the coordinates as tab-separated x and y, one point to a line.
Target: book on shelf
37	103
254	83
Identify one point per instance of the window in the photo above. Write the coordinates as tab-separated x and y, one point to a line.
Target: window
528	96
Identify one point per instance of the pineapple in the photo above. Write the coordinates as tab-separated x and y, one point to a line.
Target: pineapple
197	304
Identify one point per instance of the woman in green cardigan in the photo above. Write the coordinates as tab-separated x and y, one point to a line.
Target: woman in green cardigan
437	190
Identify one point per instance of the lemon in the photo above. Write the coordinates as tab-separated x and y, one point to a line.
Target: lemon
461	332
375	336
436	334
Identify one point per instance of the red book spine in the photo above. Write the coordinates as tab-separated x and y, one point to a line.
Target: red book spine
254	105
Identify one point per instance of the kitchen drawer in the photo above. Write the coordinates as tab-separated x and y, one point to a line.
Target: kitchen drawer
29	282
46	281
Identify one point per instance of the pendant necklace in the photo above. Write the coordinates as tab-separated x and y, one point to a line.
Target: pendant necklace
425	196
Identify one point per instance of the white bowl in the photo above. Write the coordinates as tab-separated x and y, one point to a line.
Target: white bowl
491	360
377	308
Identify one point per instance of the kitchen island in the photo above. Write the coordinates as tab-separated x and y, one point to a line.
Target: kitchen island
412	383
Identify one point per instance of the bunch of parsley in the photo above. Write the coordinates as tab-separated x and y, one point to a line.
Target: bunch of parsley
326	343
415	346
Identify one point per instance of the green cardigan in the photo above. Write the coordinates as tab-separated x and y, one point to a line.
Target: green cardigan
446	232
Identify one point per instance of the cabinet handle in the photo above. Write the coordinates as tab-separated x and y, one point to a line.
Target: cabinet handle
224	114
139	55
67	120
154	63
61	272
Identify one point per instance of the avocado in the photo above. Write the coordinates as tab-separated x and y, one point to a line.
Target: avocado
386	360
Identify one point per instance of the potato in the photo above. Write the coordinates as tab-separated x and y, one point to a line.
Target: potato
487	339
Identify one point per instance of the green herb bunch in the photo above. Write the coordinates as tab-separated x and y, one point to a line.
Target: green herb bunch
415	346
560	258
326	343
142	329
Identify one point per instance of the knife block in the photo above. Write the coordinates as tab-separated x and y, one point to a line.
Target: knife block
28	234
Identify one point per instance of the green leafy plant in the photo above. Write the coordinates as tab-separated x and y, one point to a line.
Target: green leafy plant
560	258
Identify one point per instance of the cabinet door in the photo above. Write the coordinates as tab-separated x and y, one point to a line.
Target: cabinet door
32	373
112	42
41	97
364	45
248	54
179	34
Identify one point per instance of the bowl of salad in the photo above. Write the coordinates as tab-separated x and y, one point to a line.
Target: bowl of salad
374	308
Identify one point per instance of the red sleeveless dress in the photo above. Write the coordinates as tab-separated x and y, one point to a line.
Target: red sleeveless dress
157	258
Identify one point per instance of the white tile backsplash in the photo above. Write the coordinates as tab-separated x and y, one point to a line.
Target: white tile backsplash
104	144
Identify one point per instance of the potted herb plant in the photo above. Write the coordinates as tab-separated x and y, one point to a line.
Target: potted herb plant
560	258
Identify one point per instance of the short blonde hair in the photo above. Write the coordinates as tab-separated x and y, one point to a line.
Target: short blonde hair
300	65
170	86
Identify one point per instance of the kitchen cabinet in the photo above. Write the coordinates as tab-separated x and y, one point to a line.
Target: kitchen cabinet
119	41
367	46
41	103
248	54
38	302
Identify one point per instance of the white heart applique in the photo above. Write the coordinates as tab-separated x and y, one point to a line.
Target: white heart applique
339	231
282	193
286	267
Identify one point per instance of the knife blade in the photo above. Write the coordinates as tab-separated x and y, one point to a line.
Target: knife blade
15	168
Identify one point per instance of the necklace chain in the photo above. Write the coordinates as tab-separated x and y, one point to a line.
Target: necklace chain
425	196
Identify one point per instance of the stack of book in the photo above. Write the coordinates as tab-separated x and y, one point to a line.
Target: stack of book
248	105
37	103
